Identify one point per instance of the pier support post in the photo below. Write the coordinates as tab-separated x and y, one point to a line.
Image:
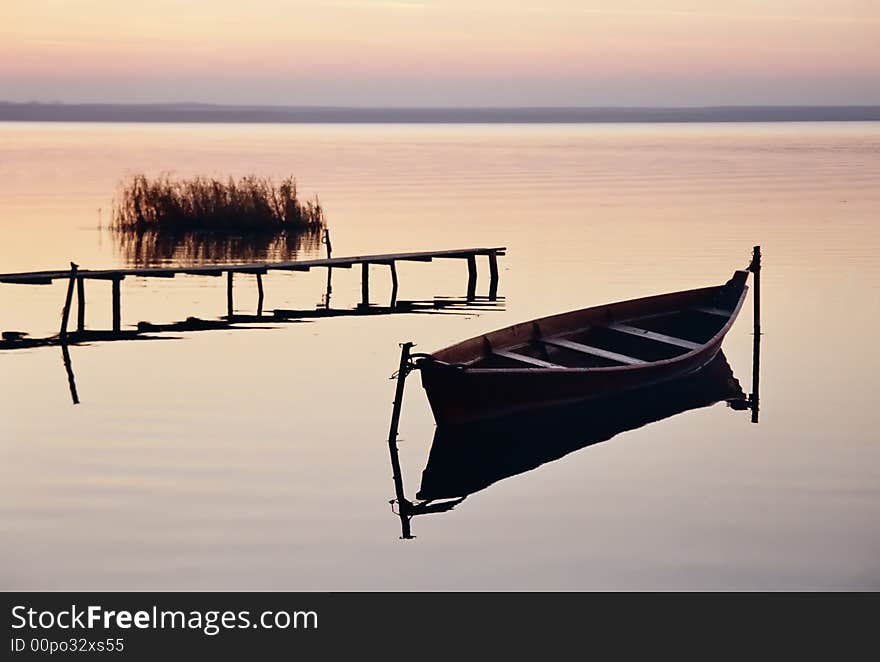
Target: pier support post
65	312
80	304
493	277
230	305
117	305
393	266
329	287
365	284
259	295
472	278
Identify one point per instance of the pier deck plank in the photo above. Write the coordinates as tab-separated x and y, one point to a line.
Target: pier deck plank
46	277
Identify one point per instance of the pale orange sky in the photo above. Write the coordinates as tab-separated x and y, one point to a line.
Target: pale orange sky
442	52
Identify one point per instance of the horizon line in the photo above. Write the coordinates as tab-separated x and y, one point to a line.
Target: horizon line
272	106
203	112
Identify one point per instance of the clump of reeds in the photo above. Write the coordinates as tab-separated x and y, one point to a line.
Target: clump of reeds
247	205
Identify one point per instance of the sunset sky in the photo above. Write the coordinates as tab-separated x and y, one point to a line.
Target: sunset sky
442	52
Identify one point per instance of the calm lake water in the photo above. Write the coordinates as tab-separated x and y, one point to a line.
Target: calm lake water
257	459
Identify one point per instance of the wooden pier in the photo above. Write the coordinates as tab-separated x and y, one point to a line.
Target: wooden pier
77	277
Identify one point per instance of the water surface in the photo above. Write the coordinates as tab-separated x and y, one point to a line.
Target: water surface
257	459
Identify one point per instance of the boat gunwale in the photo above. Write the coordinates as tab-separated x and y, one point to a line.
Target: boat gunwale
606	369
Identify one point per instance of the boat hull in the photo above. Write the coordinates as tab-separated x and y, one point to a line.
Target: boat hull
461	391
458	396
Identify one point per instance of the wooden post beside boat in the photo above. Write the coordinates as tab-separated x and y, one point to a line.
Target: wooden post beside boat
403	505
755	268
754	399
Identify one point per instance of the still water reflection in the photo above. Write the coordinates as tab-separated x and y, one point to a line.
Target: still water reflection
153	249
465	459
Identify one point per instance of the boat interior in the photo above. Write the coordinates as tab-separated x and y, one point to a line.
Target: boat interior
624	334
642	340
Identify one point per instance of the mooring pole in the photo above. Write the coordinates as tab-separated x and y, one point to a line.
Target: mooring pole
117	305
754	399
393	266
65	312
403	505
259	295
755	268
472	278
365	284
80	304
229	302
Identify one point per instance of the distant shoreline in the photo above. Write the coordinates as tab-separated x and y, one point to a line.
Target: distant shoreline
208	113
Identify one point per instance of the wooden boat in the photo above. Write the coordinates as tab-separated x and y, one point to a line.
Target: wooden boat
582	354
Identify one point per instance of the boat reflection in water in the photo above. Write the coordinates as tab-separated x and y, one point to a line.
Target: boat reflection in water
467	458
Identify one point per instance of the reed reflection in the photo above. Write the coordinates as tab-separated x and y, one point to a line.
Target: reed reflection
161	248
465	459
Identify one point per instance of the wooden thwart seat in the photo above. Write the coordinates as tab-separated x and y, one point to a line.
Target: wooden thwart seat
593	351
522	358
709	310
652	335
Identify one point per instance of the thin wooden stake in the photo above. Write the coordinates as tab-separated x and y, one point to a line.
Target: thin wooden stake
65	312
754	398
229	302
259	295
117	305
403	505
755	268
80	304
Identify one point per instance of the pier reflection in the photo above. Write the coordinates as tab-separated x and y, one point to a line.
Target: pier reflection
465	459
148	331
